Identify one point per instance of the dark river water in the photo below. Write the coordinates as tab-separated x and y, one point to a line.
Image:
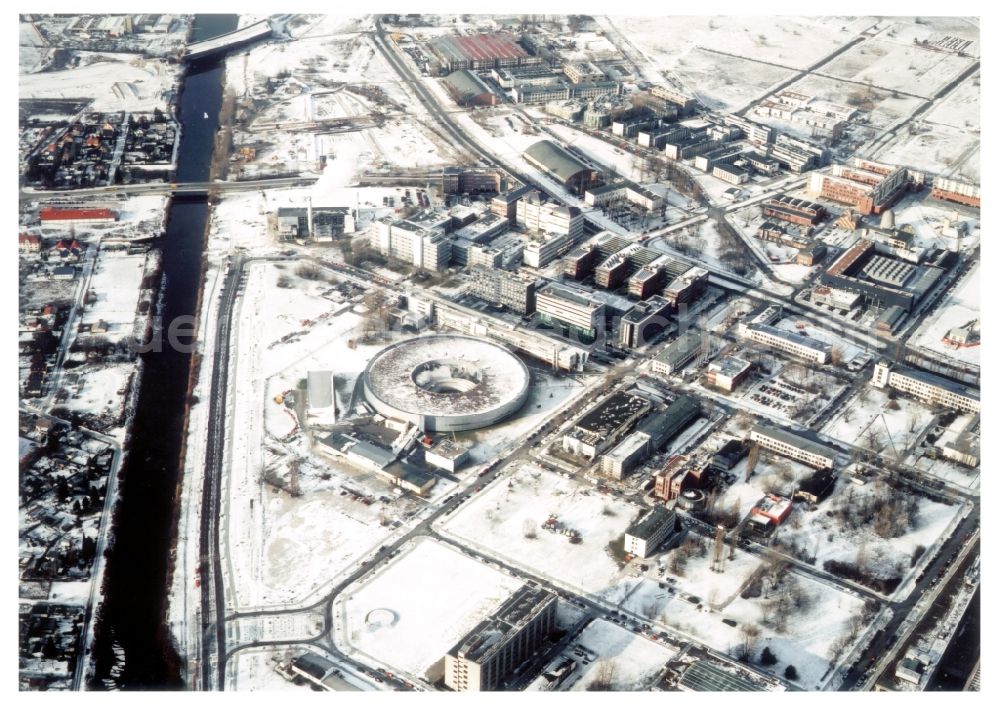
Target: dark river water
134	614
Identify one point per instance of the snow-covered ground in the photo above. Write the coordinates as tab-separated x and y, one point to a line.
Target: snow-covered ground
115	283
907	68
498	519
869	414
135	85
422	603
102	389
960	108
937	149
636	660
959	307
825	537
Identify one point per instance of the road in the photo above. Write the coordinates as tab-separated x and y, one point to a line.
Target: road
75	195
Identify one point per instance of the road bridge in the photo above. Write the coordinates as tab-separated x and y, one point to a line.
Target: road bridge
230	40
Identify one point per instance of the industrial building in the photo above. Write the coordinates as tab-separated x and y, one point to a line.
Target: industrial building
728	372
510	289
955	191
559	305
321	224
929	388
446	382
467	88
535	94
964	447
557	163
794	210
603	425
794	445
322	408
880	279
646	534
500	643
644	322
525	75
678	353
479	51
446	455
370	457
557	353
867	186
650	436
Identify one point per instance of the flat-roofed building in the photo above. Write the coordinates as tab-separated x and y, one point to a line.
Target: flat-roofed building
505	204
423	247
558	304
603	425
446	455
687	286
701	676
678	353
727	373
644	322
790	342
794	445
929	388
500	643
647	533
513	290
794	210
321	403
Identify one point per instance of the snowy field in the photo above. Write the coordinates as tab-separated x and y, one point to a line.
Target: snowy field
868	418
411	612
890	65
938	150
727	83
960	108
283	548
636	660
825	537
959	307
887	108
796	42
934	223
497	520
137	85
102	389
115	283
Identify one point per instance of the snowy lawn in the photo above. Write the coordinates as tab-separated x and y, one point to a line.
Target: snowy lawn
115	284
407	617
959	307
498	519
636	661
868	417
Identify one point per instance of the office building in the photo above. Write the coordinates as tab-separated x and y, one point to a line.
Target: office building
501	642
929	388
512	290
794	445
727	373
644	322
790	342
559	305
794	210
867	186
647	533
422	247
678	353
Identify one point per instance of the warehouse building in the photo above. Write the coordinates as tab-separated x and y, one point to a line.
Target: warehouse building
794	445
624	190
648	533
685	103
467	88
701	676
650	436
500	643
560	165
881	280
929	388
479	52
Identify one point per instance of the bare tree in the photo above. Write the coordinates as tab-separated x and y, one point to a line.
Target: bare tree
604	676
528	529
749	636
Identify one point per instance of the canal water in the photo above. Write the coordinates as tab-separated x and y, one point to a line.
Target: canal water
133	620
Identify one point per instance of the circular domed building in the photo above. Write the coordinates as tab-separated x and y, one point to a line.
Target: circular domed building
446	382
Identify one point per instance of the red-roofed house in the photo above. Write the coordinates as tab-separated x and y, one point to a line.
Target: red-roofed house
77	215
29	243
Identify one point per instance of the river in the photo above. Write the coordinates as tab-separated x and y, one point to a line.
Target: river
136	583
